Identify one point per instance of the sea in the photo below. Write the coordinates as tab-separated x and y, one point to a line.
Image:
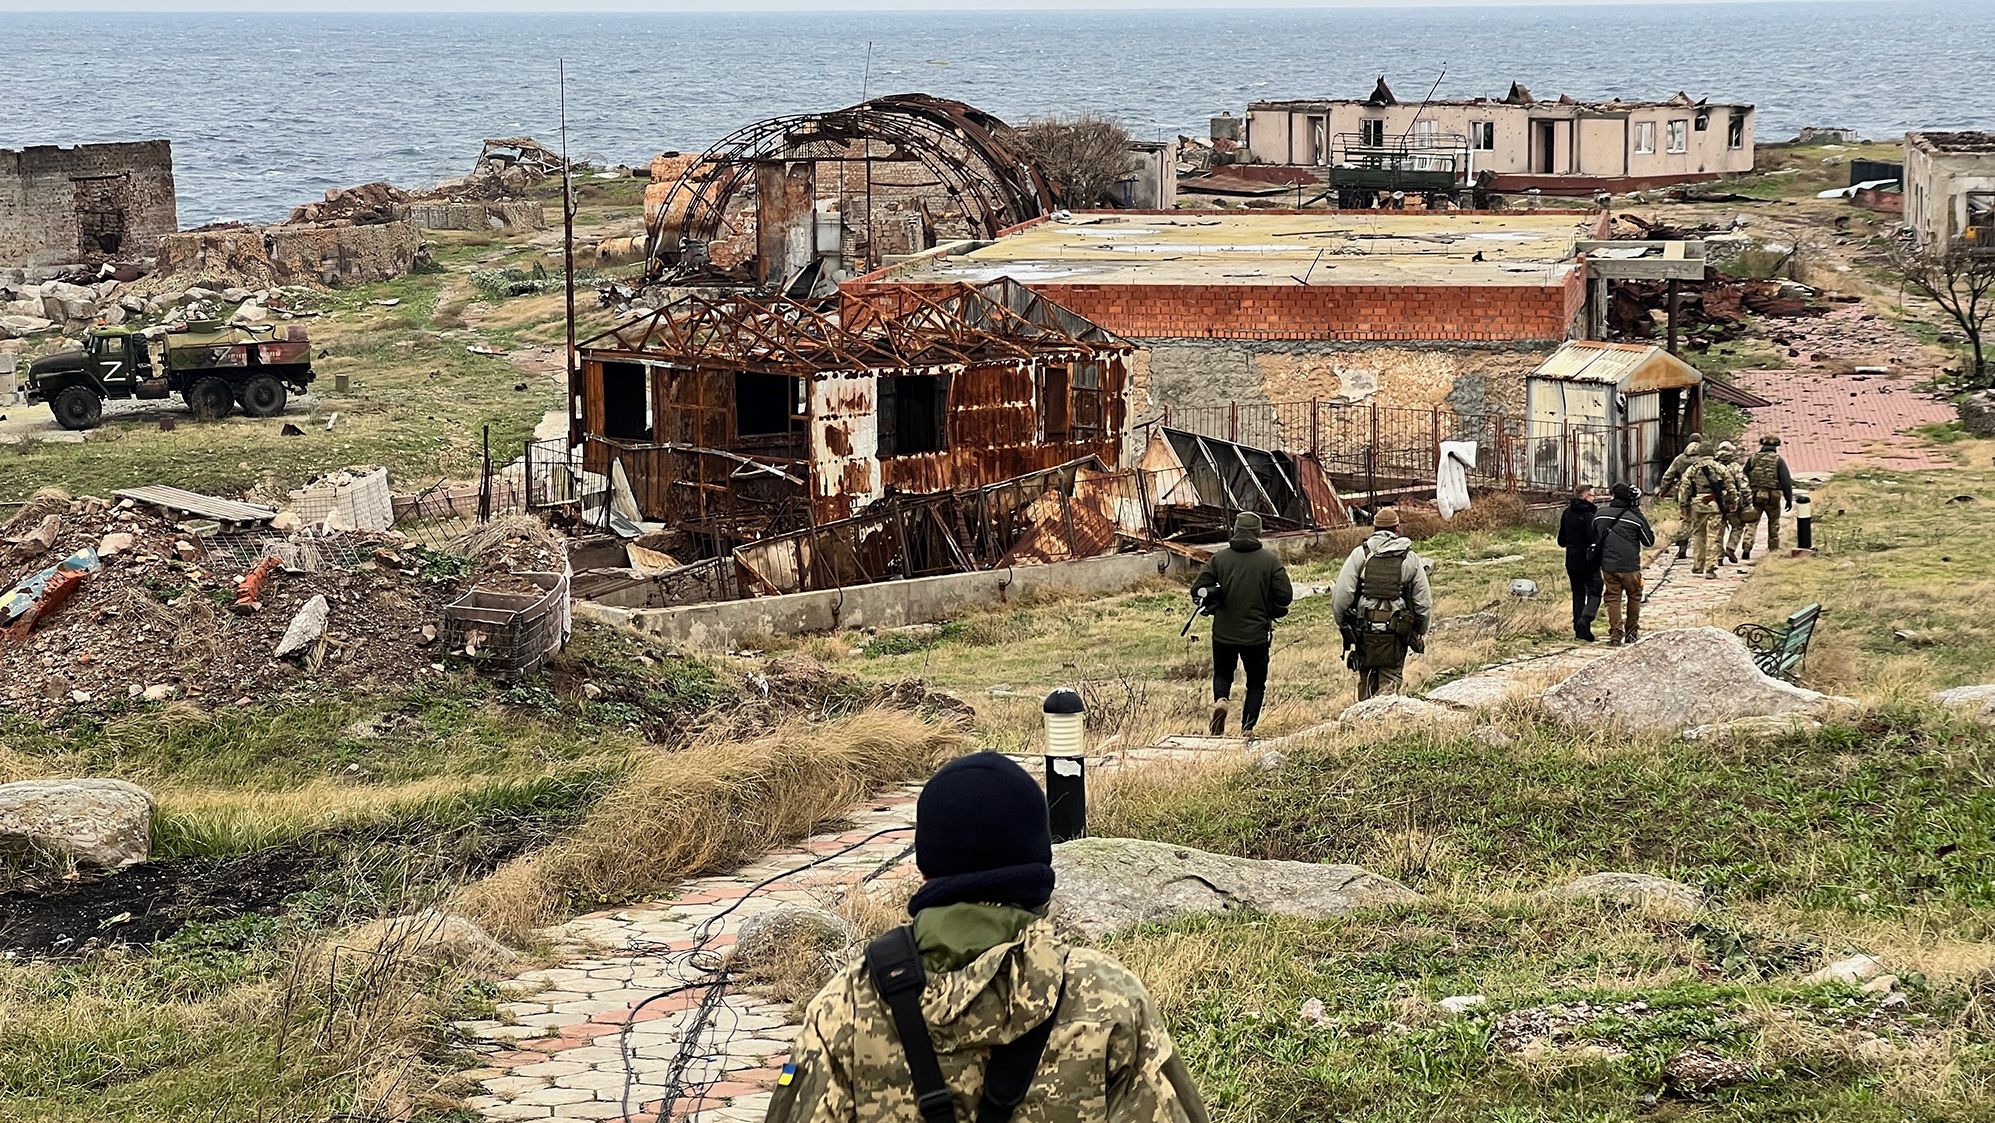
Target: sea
268	110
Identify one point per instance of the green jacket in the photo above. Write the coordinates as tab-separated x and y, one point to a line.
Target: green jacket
1254	591
1109	1059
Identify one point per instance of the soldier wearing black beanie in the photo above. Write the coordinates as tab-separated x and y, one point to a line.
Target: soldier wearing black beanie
981	836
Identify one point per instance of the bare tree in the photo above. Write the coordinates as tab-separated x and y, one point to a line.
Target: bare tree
1082	158
1961	280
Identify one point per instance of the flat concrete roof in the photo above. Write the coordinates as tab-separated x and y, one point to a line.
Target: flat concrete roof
1347	248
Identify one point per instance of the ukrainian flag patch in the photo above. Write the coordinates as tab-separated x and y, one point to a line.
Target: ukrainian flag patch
789	1075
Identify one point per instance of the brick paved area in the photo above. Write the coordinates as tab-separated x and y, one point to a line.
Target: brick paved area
1827	416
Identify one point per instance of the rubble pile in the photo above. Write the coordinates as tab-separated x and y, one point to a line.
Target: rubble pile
364	205
1712	312
506	549
166	617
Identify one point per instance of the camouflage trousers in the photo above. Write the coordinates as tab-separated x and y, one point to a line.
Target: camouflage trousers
1767	506
1736	539
1387	679
1681	539
1707	524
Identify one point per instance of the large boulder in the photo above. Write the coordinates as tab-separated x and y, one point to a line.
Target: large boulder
1678	680
1977	701
793	950
1109	884
100	824
1634	889
1399	711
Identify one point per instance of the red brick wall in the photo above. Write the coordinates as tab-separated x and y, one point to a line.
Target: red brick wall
1403	313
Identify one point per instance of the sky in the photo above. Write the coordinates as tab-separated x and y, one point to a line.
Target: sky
735	6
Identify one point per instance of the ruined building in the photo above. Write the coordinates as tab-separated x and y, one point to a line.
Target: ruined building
1513	143
60	206
1950	188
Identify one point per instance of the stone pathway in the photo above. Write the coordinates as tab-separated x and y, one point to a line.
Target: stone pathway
630	1013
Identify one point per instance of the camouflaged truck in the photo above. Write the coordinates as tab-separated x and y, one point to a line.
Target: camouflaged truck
213	368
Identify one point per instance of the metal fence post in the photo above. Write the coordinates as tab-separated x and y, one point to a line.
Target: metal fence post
1233	421
1314	433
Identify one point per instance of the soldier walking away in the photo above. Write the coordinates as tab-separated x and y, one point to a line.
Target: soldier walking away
1382	605
1691	454
1245	588
1620	533
1711	494
1737	533
1772	491
1582	562
978	1010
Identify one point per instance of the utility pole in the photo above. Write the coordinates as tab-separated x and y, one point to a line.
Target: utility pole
568	260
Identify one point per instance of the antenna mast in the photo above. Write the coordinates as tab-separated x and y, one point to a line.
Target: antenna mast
568	256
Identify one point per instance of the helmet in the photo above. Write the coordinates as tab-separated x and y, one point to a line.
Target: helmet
1769	442
1697	438
1727	454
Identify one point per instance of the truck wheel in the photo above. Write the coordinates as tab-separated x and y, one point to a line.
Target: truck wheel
262	396
77	408
210	398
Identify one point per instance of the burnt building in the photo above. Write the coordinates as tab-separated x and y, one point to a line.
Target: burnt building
733	419
60	206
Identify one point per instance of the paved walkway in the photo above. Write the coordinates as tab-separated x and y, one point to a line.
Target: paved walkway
1835	409
631	1017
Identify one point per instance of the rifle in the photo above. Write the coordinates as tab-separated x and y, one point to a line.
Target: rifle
1199	608
1717	492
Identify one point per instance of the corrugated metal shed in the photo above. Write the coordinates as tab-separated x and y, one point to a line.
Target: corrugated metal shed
1628	367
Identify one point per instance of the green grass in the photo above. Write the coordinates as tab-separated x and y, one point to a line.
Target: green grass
1800	172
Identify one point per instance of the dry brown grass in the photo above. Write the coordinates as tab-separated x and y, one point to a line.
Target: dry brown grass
709	807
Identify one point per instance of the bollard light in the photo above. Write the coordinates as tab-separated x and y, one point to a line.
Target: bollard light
1804	522
1066	764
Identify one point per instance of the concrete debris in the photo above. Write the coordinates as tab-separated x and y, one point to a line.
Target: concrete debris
306	631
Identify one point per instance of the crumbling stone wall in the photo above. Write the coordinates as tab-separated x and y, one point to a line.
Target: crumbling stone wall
1464	377
84	204
496	215
295	253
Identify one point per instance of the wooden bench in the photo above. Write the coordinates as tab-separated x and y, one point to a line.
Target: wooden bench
1779	651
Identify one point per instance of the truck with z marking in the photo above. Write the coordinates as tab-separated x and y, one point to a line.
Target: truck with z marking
212	367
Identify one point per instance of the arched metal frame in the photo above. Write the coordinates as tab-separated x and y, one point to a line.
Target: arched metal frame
977	159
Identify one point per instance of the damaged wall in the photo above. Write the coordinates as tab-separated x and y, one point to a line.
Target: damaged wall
295	253
1464	377
522	214
64	205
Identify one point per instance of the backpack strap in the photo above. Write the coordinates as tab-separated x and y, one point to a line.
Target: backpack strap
894	962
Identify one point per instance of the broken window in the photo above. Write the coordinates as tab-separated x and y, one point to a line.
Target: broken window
1702	122
1735	134
1319	141
1981	218
1371	132
1090	411
766	404
1679	135
913	414
1482	136
1645	138
1055	394
626	401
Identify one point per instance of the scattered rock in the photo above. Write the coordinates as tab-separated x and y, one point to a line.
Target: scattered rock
1313	1013
307	628
1491	737
1979	701
1698	1071
1473	692
1853	970
1634	889
1463	1004
158	692
1523	588
1678	680
99	823
1271	761
797	947
1399	710
1109	884
114	544
286	521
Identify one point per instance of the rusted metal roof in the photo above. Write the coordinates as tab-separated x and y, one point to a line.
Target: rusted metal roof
894	328
1630	367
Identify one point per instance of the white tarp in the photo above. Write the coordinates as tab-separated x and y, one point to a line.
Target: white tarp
1451	477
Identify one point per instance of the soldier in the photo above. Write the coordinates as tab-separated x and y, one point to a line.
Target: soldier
1382	605
1691	454
965	1012
1772	491
1739	528
1711	495
1620	534
1245	589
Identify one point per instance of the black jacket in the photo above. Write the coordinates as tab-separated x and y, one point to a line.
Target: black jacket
1254	591
1623	532
1576	532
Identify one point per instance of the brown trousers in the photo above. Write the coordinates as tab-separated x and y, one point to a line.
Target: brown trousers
1613	586
1766	505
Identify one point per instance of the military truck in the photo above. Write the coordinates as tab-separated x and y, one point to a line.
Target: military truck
213	368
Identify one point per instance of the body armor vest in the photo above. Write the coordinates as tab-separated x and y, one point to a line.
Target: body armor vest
1763	471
